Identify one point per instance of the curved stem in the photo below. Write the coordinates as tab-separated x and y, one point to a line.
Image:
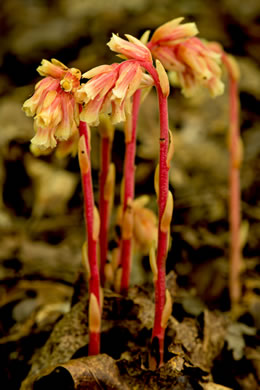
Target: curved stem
94	284
129	176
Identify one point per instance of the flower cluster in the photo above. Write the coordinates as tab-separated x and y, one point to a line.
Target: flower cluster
110	90
193	62
54	108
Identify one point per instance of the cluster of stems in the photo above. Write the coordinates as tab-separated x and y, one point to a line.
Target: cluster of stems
118	86
165	208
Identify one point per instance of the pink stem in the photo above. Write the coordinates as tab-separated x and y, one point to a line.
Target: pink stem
104	204
129	176
94	284
234	183
158	330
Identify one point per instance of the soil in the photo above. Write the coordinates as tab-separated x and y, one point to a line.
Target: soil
43	290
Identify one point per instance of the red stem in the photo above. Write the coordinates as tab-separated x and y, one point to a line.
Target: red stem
158	330
94	284
129	176
104	204
234	184
94	343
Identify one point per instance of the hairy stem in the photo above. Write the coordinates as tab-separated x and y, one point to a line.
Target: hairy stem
129	175
94	284
156	356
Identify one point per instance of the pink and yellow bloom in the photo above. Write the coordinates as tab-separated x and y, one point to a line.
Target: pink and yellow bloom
193	62
131	49
53	106
172	33
109	90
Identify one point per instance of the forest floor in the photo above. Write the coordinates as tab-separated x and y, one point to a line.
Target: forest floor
43	291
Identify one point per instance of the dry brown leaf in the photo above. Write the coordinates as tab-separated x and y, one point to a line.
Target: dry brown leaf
93	372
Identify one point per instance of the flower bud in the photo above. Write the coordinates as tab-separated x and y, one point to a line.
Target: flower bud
163	78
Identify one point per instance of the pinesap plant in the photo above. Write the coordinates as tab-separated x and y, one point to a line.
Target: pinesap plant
64	108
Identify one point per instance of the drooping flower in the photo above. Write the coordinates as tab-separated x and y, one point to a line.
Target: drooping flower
53	106
131	49
110	90
172	33
193	62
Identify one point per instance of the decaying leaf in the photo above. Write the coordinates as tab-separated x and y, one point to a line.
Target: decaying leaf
196	351
93	372
235	339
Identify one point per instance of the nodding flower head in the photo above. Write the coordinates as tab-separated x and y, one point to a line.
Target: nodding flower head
53	106
193	62
131	49
171	33
202	67
110	90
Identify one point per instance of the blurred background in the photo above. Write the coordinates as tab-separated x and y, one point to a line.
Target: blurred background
41	220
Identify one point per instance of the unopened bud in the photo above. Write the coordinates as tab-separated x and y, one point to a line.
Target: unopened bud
167	214
163	78
84	162
94	318
167	310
